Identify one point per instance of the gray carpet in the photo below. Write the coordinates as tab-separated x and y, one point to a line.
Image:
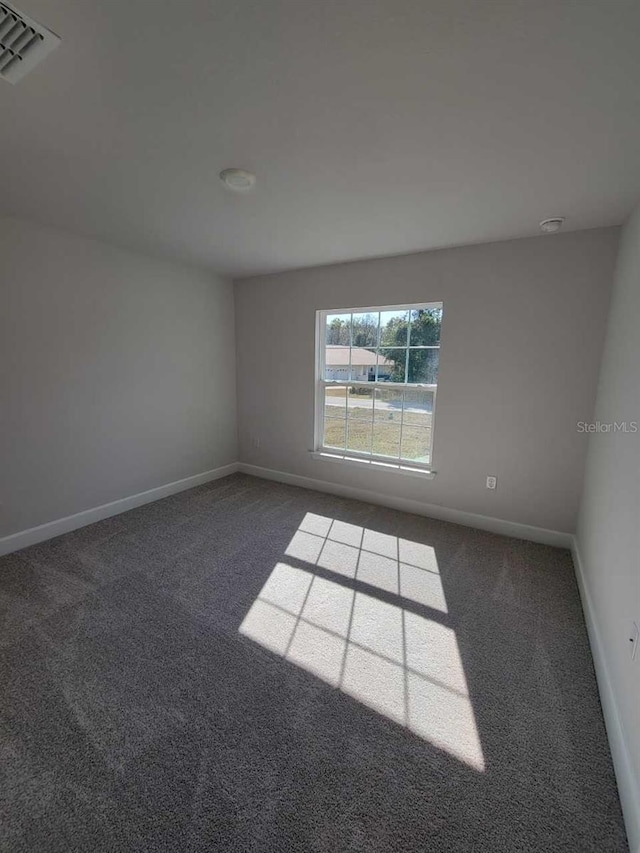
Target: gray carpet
248	666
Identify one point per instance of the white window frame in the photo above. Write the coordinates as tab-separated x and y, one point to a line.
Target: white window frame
358	457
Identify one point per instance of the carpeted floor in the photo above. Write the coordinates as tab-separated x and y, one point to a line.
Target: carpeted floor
248	666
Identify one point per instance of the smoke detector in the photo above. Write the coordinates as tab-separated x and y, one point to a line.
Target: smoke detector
551	226
238	180
23	43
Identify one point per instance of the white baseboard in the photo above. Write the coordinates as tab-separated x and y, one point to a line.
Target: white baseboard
469	519
628	784
88	516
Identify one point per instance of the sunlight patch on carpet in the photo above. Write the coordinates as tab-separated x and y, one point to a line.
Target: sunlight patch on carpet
403	665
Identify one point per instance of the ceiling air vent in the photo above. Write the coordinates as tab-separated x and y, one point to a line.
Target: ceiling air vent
23	43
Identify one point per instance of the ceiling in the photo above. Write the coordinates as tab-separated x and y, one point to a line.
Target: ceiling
374	127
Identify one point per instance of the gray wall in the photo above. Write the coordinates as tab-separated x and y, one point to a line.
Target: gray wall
609	523
523	328
117	374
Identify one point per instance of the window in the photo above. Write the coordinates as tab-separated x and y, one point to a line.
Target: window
377	376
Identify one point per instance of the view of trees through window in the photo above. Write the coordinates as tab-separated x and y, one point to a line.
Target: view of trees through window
379	382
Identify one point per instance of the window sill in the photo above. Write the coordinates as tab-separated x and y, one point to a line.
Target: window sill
374	464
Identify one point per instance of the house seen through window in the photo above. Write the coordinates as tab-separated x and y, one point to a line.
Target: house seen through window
376	383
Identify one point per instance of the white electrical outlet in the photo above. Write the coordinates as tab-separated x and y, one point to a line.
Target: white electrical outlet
492	482
633	640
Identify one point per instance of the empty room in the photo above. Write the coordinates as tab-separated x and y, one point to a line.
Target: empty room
319	426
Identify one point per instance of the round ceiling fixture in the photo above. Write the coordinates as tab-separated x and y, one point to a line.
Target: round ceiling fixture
238	180
551	226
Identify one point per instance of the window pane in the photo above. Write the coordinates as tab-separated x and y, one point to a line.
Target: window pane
391	365
359	434
415	443
388	405
425	327
375	362
423	366
335	402
418	407
338	330
365	330
360	403
386	438
335	432
363	364
393	328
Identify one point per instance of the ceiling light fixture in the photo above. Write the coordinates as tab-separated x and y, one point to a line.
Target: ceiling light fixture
551	226
238	180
